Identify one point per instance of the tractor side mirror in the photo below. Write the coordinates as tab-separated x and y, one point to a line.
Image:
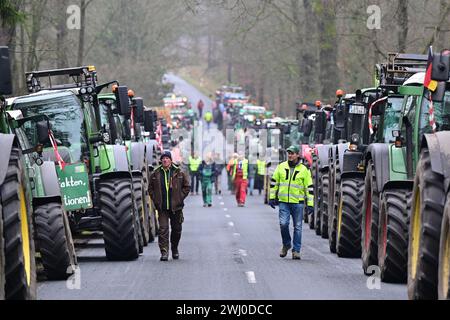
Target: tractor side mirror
149	121
42	128
307	127
321	123
441	67
139	102
439	93
123	102
5	72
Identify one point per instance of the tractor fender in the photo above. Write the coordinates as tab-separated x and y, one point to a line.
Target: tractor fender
352	174
351	160
6	143
137	156
403	184
379	153
322	155
341	149
120	158
439	149
115	175
151	154
50	180
39	201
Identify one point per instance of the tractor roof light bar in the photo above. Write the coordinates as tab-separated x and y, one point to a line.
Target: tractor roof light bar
81	77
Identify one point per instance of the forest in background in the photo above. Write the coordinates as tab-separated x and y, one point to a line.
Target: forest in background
279	50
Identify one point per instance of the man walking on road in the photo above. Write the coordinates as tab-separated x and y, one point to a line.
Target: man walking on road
291	186
168	189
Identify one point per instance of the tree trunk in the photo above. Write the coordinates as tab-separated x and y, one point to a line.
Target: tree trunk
61	35
402	25
81	38
328	48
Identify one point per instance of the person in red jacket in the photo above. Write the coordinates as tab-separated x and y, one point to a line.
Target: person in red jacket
200	107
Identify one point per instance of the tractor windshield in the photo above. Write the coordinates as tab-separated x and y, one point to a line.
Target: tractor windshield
391	118
66	119
441	114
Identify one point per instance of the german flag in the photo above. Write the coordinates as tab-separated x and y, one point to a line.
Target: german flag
428	82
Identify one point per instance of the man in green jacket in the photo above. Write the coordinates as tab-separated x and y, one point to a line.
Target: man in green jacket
291	187
168	189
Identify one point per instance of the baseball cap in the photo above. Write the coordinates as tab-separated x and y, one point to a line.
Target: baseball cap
293	149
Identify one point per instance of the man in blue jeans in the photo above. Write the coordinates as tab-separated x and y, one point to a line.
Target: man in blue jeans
291	187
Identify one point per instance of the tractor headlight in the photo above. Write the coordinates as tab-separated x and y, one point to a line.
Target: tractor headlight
90	90
83	90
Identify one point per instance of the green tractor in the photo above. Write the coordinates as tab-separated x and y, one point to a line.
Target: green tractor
424	135
101	197
124	121
17	252
383	195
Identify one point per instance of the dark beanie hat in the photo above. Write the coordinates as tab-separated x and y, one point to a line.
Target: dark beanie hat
166	154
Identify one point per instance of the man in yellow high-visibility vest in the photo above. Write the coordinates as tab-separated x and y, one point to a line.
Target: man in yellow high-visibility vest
194	165
291	188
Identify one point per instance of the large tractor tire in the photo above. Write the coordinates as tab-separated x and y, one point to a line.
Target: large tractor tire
2	259
370	217
324	190
317	202
142	207
334	190
154	225
425	230
19	252
120	230
444	255
348	239
54	241
393	235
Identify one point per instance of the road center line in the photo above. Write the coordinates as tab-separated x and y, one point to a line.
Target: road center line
251	277
231	224
227	216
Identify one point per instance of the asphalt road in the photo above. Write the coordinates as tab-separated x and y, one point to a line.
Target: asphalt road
226	253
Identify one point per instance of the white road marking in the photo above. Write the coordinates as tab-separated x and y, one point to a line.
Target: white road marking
231	224
222	203
243	252
251	277
225	209
236	234
227	216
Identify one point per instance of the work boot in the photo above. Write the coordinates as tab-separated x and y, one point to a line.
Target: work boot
164	256
284	251
175	254
296	255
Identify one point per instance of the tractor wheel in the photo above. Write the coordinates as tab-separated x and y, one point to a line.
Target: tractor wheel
54	241
120	230
2	259
369	223
19	252
324	189
317	202
154	226
334	189
348	239
425	230
444	255
393	235
141	198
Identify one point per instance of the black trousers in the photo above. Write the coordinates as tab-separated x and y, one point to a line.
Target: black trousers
170	220
195	177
